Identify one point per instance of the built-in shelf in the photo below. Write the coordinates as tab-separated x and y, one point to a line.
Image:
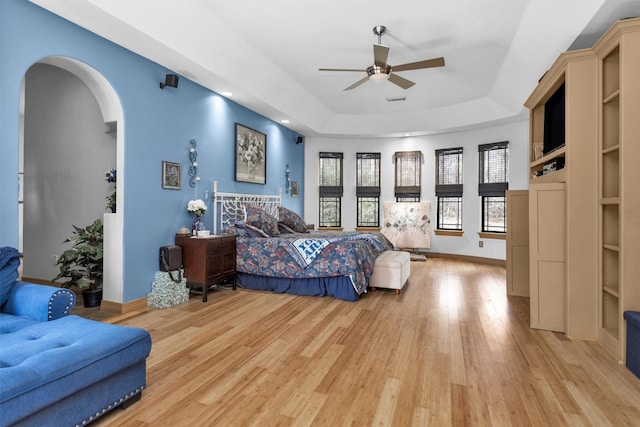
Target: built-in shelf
611	97
555	176
618	52
560	152
611	149
610	201
611	291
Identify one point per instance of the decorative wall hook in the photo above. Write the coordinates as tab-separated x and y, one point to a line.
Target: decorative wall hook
193	169
287	180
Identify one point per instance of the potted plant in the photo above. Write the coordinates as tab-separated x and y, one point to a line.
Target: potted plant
82	264
111	177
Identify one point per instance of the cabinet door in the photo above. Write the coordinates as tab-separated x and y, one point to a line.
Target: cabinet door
214	261
518	243
229	256
547	242
193	259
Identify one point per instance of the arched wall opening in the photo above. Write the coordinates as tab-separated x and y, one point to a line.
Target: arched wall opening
35	205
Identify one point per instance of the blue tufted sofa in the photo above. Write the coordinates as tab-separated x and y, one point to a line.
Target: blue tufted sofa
58	369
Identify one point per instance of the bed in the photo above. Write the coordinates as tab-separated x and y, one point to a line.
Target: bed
276	252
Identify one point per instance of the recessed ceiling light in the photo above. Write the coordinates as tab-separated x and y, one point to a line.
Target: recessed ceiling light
285	121
227	94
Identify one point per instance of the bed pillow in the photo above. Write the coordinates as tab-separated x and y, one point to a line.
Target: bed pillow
247	230
292	220
235	229
284	229
261	220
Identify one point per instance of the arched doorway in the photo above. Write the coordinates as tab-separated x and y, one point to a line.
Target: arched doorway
38	209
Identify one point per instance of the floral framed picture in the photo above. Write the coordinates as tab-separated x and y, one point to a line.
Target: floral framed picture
251	155
171	175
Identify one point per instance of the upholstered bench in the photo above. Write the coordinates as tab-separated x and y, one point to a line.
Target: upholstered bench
391	270
58	369
633	341
68	371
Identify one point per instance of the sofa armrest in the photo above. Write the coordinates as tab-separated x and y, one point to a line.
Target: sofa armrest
39	302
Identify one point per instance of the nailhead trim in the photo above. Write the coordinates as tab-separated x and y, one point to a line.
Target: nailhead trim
67	309
111	406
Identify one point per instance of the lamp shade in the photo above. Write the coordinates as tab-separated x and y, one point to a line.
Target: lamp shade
378	74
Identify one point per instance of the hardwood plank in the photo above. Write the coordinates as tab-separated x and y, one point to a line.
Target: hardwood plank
452	349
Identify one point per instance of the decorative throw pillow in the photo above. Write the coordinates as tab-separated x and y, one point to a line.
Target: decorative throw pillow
292	220
8	276
261	220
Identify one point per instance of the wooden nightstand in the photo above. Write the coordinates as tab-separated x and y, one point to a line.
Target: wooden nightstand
208	260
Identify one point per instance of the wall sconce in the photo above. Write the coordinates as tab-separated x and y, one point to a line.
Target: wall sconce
287	185
299	140
193	169
170	80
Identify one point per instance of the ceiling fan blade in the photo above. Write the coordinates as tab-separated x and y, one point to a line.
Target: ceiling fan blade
341	69
427	63
400	81
356	84
380	54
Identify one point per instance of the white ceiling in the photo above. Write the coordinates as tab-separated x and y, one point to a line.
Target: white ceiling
268	54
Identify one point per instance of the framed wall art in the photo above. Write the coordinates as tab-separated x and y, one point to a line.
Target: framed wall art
171	175
251	155
408	224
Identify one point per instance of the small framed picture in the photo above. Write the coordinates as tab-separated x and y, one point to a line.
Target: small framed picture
251	155
171	175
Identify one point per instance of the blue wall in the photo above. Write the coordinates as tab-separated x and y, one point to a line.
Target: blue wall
158	125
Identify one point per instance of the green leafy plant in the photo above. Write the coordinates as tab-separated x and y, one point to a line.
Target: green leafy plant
111	202
82	264
111	177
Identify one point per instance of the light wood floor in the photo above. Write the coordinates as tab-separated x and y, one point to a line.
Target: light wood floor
451	350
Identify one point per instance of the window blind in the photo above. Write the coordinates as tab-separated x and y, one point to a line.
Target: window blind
449	172
408	173
331	175
493	168
367	174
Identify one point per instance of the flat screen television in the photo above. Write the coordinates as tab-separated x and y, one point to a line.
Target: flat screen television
554	130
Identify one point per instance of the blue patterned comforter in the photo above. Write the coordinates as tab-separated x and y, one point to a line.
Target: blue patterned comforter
350	257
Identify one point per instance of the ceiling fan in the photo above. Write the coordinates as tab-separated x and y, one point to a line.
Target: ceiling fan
380	70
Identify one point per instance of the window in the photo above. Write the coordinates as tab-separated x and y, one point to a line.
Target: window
449	188
493	181
368	189
330	189
408	164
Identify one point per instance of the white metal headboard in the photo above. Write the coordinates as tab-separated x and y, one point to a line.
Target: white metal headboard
230	206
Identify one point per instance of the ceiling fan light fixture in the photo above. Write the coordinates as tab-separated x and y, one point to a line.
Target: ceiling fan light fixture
378	74
381	71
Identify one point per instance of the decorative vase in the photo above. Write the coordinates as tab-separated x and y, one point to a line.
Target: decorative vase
198	225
